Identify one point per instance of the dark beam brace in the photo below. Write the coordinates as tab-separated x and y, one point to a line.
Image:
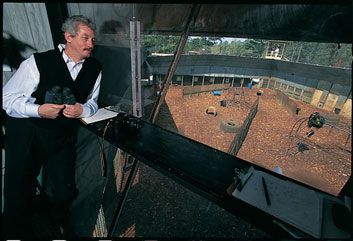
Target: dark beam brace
172	67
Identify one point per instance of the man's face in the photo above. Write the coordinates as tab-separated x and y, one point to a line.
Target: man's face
81	45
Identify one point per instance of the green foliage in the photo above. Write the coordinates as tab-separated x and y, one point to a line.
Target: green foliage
327	54
255	48
201	45
160	43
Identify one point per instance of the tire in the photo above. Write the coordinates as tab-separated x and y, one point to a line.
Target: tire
230	126
211	111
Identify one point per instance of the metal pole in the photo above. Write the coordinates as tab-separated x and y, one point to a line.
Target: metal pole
135	68
284	46
300	50
119	208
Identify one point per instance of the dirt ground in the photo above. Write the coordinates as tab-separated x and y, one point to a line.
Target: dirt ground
270	141
158	207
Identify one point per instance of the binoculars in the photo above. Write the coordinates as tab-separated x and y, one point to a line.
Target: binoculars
58	95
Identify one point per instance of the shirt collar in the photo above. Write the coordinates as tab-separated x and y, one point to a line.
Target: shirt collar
66	58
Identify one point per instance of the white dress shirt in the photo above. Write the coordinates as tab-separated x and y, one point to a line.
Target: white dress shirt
17	99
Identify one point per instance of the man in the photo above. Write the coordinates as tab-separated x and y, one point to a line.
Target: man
38	133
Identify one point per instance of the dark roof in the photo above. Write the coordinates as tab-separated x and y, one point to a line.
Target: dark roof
312	23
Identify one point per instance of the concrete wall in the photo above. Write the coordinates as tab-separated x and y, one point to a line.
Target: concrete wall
325	87
330	100
234	65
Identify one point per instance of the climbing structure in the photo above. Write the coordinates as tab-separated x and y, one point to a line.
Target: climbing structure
237	96
319	133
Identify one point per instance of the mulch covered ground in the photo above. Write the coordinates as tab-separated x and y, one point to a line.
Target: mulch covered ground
159	207
270	141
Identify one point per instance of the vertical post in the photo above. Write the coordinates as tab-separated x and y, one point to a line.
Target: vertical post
293	52
284	45
135	68
300	50
233	81
301	95
203	80
268	46
182	80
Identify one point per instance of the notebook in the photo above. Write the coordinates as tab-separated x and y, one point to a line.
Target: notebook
101	114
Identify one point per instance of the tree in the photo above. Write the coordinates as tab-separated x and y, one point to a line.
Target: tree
255	48
327	54
199	44
160	43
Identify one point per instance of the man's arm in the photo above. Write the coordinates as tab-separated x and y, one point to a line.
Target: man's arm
17	99
50	111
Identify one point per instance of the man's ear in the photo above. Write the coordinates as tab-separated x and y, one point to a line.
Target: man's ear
68	37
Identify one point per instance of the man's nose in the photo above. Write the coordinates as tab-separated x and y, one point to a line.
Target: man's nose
90	43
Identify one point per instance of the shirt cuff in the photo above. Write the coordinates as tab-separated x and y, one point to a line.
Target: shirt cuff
86	112
32	110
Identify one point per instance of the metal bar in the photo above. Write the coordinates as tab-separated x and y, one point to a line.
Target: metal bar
284	46
168	78
122	199
300	50
135	68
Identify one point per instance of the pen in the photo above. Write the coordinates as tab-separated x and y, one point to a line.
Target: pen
268	201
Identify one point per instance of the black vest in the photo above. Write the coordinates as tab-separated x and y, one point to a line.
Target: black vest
53	71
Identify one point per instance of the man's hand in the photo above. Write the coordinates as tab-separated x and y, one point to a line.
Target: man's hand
73	111
50	111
